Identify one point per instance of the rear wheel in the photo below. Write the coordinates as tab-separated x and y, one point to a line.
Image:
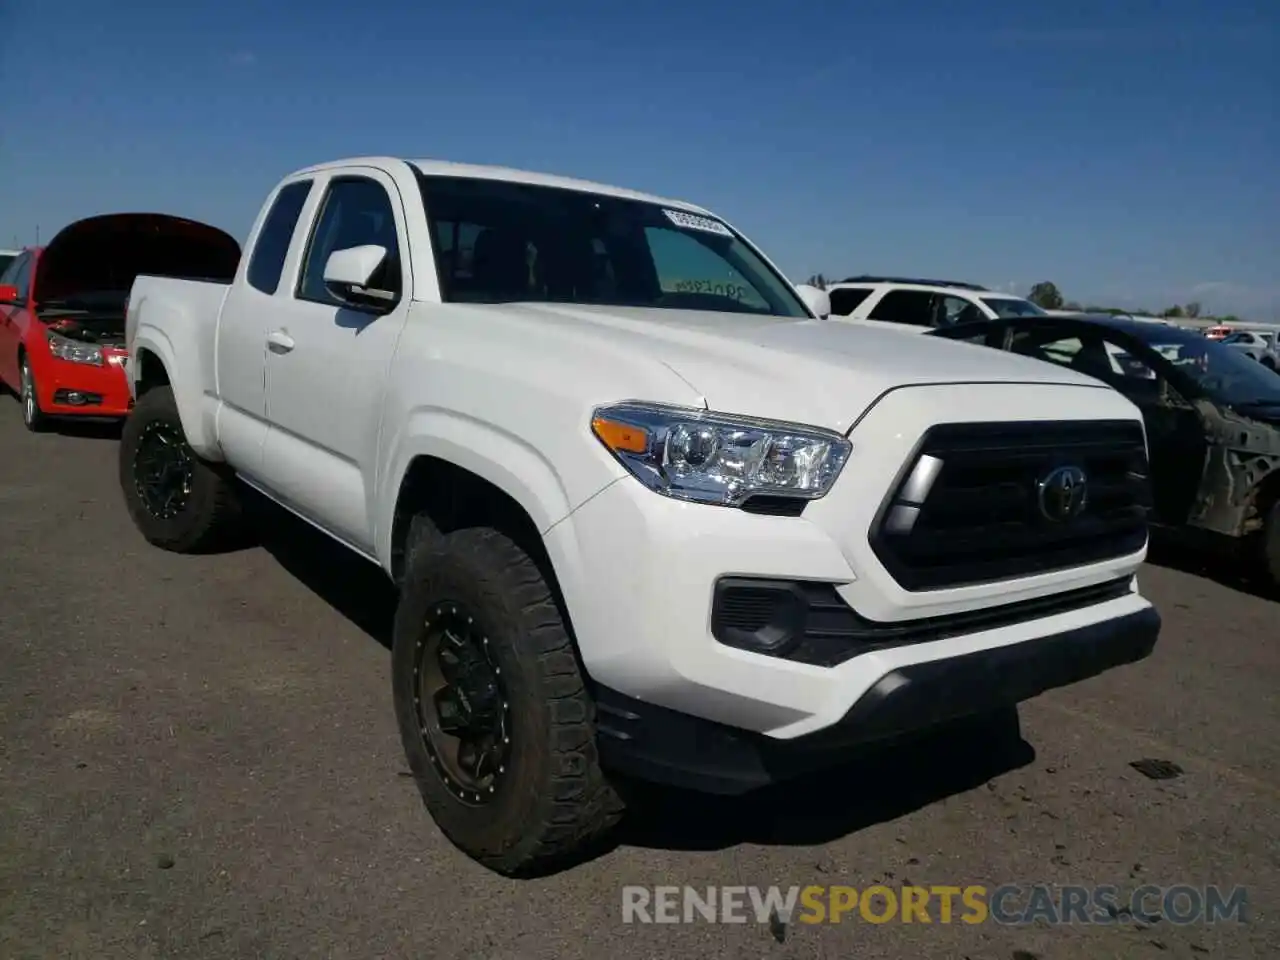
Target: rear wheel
178	501
497	725
33	418
1269	363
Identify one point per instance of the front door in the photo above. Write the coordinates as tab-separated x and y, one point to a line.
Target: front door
12	318
327	365
1177	445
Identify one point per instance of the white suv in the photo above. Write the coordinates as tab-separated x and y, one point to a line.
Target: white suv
1260	345
923	303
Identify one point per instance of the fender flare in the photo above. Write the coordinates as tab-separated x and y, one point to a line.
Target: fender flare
198	428
501	458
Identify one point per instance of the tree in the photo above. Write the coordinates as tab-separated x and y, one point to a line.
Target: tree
1072	305
1174	311
817	280
1192	309
1044	294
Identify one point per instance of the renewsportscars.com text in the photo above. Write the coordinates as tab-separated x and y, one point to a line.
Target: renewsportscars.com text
1010	904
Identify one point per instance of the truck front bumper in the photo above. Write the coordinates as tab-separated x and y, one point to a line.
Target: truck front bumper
675	748
641	573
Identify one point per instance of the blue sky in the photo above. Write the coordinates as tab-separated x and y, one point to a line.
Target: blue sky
1129	152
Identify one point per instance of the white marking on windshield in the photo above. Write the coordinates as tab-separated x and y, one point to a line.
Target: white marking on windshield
690	221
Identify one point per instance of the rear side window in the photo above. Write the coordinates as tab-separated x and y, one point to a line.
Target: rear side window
912	307
844	300
273	239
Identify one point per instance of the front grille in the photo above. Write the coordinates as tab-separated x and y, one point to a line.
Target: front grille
967	507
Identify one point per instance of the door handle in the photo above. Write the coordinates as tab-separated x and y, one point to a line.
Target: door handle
279	342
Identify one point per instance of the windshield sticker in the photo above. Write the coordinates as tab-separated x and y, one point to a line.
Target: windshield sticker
690	221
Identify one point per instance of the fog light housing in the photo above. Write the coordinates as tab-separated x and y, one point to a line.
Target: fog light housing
761	616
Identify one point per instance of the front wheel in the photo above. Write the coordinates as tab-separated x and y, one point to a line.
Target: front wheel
178	501
33	418
497	725
1269	363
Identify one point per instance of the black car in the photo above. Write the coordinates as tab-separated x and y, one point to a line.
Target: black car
1212	417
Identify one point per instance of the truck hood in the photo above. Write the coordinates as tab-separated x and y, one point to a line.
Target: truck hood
103	255
821	372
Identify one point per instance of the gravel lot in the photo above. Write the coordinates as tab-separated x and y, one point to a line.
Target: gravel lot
198	759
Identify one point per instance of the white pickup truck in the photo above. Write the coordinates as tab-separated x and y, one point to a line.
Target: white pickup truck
639	530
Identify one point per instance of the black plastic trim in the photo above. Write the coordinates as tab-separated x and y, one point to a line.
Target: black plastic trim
666	746
808	622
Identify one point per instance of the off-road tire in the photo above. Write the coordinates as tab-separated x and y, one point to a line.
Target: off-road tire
212	516
553	804
33	418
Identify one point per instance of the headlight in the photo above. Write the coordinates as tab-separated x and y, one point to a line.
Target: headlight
712	458
74	350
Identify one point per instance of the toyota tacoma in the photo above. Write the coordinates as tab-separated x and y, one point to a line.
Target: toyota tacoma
649	513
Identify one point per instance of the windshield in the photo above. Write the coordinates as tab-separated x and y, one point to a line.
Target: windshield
1013	307
498	241
1226	375
5	260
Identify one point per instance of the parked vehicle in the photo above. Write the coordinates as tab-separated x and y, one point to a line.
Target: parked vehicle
923	303
62	307
1259	345
691	535
1219	332
1212	418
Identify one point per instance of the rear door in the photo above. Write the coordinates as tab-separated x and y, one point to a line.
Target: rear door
247	312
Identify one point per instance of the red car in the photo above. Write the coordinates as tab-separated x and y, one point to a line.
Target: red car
62	307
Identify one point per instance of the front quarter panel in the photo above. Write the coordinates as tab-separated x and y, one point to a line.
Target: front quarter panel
511	402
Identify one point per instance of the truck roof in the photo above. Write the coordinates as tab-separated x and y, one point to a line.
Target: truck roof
447	168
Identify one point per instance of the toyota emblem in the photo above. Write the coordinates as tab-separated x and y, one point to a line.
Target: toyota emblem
1064	492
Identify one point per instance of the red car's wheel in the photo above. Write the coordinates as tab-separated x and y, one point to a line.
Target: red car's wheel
33	417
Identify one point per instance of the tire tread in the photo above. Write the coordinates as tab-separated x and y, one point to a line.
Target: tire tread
581	805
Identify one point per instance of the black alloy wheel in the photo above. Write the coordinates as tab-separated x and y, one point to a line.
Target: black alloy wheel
163	470
463	709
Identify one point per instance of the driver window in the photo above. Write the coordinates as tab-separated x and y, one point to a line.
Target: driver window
684	265
355	212
21	277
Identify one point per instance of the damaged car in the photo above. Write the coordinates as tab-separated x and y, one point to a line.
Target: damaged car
1212	418
62	307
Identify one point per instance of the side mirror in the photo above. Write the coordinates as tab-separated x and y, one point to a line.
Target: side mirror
8	293
816	300
347	274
